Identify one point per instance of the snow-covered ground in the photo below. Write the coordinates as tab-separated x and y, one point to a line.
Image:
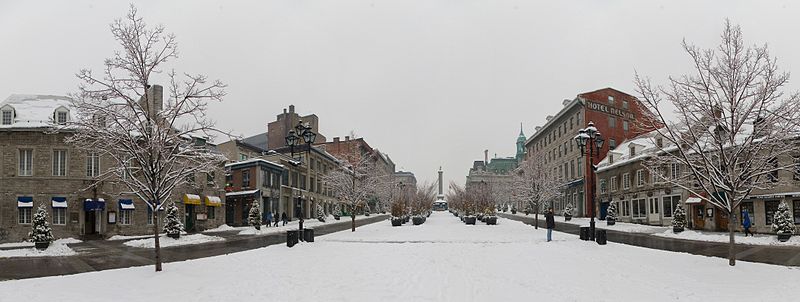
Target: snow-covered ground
441	260
165	241
57	248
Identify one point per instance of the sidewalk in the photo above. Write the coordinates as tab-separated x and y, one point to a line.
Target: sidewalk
97	255
780	255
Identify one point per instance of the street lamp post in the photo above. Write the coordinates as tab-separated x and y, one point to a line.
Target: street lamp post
590	142
302	134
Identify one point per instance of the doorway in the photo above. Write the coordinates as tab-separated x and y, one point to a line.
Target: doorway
189	224
722	220
698	216
229	213
654	216
90	222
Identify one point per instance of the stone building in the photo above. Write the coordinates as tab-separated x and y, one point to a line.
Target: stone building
613	113
239	150
303	186
641	198
37	167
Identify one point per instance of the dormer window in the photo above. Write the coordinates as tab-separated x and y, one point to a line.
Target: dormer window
633	151
6	115
61	116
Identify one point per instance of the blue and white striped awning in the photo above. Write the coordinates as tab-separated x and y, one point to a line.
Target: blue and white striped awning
59	202
126	204
24	202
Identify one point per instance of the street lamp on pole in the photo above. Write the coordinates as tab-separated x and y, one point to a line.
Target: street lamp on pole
302	134
590	142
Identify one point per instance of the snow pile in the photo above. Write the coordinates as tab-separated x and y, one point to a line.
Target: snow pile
165	241
57	248
757	239
442	260
221	228
125	237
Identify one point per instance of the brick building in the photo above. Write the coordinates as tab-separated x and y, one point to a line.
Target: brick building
613	113
37	168
278	130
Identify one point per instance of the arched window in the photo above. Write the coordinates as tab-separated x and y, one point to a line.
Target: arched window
7	115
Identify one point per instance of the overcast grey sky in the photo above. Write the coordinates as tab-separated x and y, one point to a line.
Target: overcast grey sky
431	83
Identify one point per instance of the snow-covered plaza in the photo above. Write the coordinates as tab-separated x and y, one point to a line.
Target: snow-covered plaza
441	260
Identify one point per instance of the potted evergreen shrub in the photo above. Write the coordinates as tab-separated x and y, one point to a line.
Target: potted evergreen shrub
513	209
397	212
490	218
172	224
782	223
41	234
337	211
568	212
254	217
611	214
678	220
320	213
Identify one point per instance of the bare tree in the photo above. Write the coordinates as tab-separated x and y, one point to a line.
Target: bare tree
355	181
534	186
735	127
153	141
422	199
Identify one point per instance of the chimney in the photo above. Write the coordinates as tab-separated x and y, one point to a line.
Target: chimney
154	98
291	108
346	138
336	139
485	157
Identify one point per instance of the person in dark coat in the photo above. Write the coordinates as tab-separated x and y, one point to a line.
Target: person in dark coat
551	223
283	218
746	223
269	219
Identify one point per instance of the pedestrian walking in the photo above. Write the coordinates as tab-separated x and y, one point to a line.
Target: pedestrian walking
269	219
746	223
276	219
284	218
551	223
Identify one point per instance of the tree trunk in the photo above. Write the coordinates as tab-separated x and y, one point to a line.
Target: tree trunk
157	244
353	221
732	245
536	218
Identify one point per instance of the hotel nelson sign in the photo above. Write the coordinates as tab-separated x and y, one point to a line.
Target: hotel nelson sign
610	110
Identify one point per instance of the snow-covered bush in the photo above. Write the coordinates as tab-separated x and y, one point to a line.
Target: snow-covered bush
568	210
782	222
320	213
679	218
611	213
337	210
254	217
40	231
172	224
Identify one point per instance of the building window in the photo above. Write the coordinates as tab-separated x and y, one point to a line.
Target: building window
149	216
25	162
8	117
612	144
125	217
242	156
25	215
625	208
612	122
659	142
211	213
572	169
796	206
639	208
626	181
93	164
245	178
639	178
603	186
210	177
61	117
580	167
770	207
613	183
625	125
670	204
653	205
611	100
59	216
59	162
674	171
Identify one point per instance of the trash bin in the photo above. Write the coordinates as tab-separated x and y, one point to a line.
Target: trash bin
584	233
291	238
308	235
600	237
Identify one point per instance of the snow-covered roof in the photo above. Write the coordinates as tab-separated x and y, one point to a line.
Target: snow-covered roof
253	160
36	111
644	147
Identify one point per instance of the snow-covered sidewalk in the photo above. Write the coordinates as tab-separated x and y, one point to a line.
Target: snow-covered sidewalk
441	260
165	241
601	224
57	248
758	239
291	225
